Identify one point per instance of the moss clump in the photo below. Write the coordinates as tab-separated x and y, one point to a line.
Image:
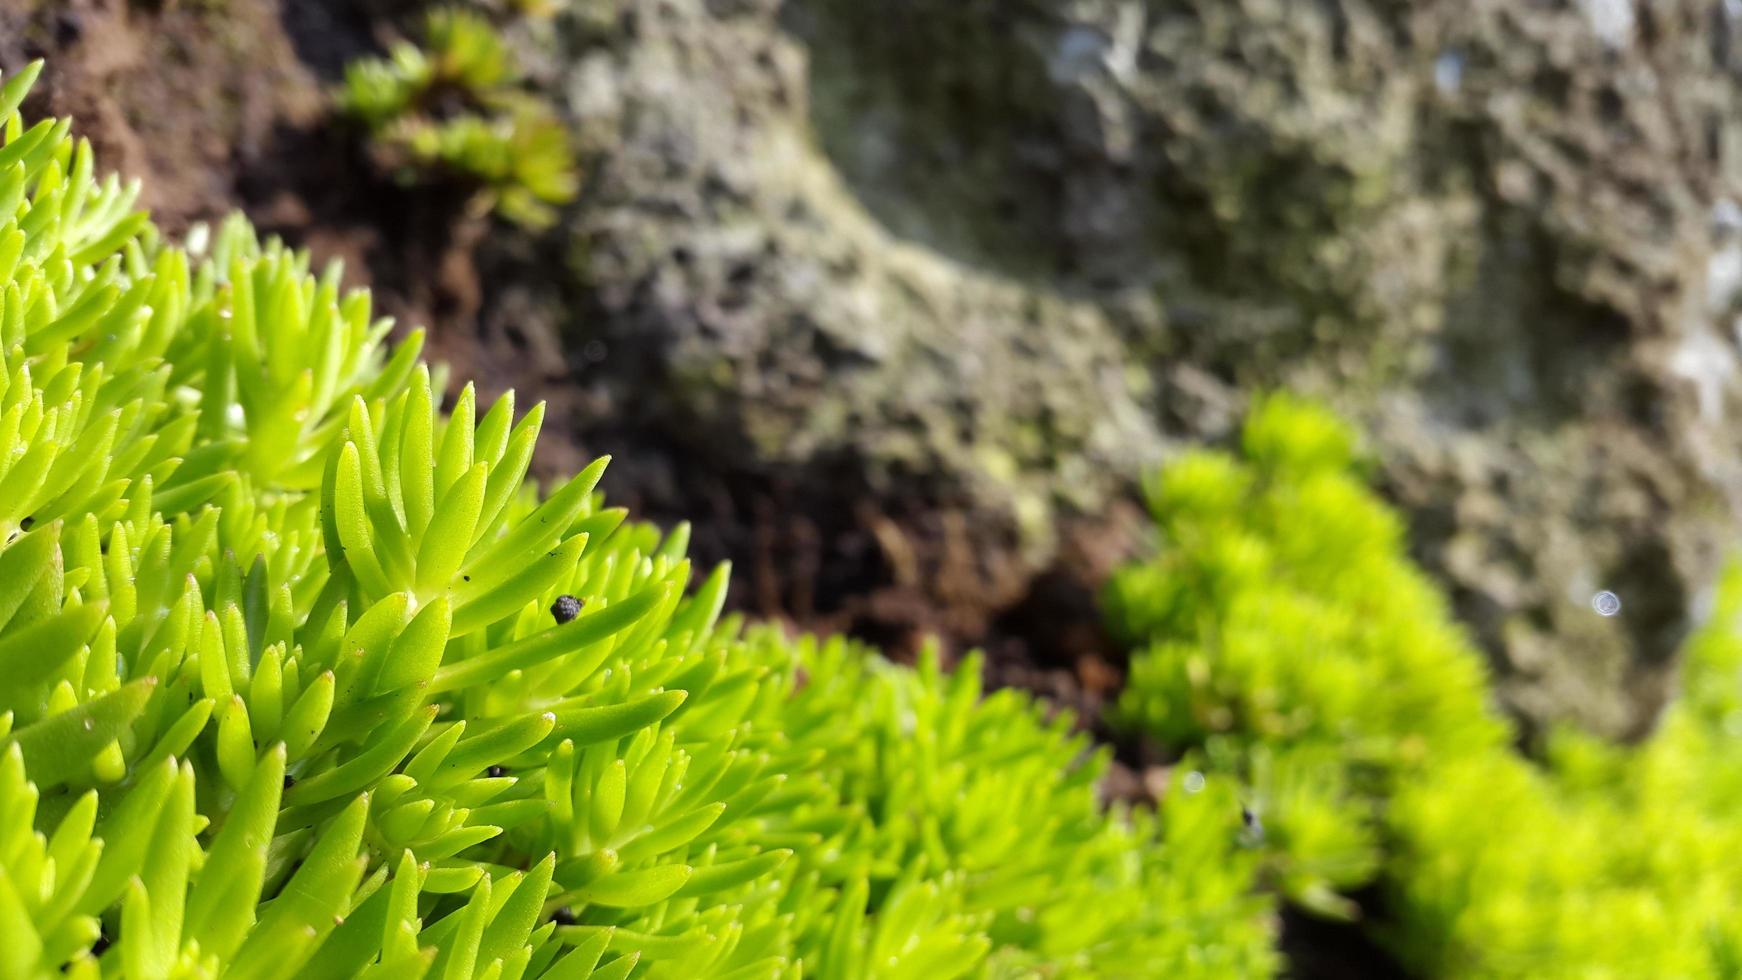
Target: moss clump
1287	642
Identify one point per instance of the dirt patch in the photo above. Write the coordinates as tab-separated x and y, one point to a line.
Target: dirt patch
827	552
184	97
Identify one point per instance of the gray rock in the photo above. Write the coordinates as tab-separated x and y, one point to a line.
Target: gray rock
792	324
1018	250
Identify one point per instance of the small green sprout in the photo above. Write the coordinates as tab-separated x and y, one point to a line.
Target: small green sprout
454	110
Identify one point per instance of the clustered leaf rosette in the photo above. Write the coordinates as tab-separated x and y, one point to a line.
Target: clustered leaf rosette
301	676
455	108
1284	640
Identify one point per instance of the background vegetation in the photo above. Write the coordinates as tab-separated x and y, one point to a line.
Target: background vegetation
950	327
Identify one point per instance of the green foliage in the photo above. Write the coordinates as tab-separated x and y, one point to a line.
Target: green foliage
1287	642
941	789
299	676
1290	641
454	109
1613	862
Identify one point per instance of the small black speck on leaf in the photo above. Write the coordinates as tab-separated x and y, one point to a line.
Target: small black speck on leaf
26	523
565	608
1254	826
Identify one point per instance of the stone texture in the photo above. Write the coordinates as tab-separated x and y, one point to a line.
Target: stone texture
791	323
1010	253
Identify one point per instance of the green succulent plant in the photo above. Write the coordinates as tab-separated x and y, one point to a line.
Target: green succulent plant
454	110
1284	640
301	676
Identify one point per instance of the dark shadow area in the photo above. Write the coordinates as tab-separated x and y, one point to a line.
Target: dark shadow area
330	34
1324	949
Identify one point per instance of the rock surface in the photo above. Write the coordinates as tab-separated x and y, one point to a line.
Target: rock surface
1008	254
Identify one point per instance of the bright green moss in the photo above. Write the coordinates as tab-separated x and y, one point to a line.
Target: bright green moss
1611	863
284	690
1279	606
1004	809
1287	642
